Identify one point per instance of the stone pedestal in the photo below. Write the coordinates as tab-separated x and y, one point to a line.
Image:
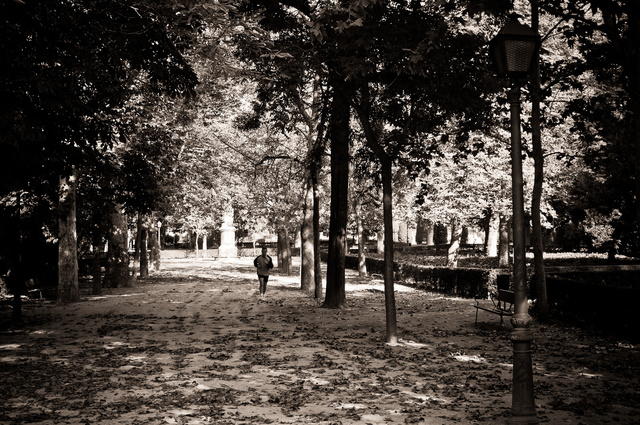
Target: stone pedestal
227	247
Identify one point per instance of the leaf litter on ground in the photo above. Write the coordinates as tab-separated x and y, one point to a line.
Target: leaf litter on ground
193	344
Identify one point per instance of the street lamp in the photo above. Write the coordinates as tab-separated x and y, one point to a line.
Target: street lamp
513	51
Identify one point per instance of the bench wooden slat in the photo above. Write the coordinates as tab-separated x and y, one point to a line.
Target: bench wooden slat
503	302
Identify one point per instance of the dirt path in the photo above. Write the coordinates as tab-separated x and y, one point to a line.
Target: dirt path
194	344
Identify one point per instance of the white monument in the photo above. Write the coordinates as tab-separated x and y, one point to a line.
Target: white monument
227	247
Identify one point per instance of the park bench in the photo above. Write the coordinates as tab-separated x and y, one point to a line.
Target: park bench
502	304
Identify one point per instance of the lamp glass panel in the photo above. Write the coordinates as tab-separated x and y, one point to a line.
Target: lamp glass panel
519	55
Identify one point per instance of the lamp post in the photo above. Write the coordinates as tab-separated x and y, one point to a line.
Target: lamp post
159	234
513	51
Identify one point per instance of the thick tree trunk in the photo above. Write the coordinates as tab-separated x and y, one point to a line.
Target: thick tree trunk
503	247
284	250
339	135
307	269
454	247
538	247
117	274
389	291
633	71
493	232
68	289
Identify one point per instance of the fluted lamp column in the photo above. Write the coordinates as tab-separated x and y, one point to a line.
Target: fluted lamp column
513	51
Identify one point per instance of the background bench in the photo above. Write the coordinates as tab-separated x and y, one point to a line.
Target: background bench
502	304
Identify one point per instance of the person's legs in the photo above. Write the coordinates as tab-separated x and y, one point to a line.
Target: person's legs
263	284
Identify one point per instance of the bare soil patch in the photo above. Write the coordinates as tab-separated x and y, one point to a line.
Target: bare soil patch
195	344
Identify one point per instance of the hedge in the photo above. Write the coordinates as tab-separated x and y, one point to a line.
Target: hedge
460	282
213	253
604	300
595	300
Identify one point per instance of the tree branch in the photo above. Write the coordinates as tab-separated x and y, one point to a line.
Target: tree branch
274	157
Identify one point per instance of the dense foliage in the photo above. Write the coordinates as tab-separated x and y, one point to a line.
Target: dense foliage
181	110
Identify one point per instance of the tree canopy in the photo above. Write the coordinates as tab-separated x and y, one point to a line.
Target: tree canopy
67	69
182	109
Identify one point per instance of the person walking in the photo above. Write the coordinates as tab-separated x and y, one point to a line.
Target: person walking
264	264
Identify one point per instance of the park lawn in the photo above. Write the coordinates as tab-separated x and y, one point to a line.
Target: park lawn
194	344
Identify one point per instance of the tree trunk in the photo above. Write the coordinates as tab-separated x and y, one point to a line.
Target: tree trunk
493	232
387	208
97	267
18	288
68	289
144	259
163	233
420	234
279	247
412	233
316	236
380	241
362	260
136	247
307	269
636	136
284	250
454	247
389	291
135	268
430	231
16	278
339	135
117	273
154	243
205	235
503	247
632	63
537	242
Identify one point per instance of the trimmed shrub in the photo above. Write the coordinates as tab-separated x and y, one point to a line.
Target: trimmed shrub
594	302
460	282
